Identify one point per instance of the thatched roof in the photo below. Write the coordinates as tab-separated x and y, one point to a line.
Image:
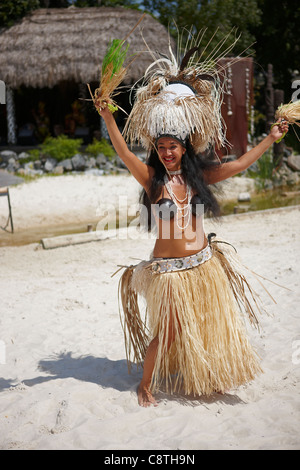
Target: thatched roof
53	45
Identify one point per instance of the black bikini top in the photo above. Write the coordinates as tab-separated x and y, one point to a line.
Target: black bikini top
167	209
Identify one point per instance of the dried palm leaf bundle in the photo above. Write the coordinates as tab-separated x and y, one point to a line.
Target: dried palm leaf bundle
113	73
289	112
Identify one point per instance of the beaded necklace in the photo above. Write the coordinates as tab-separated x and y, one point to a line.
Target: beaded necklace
185	211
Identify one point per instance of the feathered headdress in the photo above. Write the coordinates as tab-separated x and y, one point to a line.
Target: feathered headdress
181	98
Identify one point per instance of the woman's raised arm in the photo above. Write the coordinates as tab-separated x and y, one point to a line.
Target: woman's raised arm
143	173
226	170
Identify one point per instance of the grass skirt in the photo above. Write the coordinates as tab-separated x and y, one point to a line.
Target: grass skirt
197	315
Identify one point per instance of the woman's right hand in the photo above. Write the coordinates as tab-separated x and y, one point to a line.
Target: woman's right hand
104	112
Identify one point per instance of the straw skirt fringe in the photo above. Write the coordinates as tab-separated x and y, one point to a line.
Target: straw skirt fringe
196	315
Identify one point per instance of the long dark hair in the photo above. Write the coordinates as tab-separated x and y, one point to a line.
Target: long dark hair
192	171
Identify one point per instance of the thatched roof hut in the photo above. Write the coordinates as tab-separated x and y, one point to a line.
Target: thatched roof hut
68	44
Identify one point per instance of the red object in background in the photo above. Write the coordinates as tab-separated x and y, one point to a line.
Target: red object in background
236	107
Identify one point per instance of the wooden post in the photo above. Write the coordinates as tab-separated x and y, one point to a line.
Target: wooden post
269	96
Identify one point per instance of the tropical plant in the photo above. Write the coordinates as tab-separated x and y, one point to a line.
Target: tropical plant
60	147
100	146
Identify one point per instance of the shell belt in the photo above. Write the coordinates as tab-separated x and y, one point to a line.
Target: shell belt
166	265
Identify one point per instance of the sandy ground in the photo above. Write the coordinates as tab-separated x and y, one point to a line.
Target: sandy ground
64	381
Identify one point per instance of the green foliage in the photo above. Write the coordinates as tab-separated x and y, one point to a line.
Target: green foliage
60	147
115	55
35	154
13	10
100	146
277	40
265	170
217	16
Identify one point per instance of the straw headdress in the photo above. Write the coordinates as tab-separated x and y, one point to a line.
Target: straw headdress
181	97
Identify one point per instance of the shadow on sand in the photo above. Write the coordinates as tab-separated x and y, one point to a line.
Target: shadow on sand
108	373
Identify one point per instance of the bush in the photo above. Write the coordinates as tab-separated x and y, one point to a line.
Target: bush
60	147
265	170
100	146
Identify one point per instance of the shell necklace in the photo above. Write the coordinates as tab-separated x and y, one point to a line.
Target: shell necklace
184	212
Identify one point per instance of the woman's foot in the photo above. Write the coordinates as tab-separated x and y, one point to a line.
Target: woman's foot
145	397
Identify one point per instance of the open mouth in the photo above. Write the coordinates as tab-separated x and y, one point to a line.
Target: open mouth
169	159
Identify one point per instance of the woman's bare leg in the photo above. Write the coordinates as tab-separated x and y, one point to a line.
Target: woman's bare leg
145	397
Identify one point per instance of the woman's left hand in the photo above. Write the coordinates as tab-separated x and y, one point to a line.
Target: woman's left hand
279	129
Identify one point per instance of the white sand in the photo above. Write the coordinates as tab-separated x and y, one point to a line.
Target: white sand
64	376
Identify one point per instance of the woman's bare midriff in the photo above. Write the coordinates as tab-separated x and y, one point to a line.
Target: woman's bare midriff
175	243
172	241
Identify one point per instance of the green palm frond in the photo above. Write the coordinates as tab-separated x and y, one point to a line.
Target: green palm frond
114	57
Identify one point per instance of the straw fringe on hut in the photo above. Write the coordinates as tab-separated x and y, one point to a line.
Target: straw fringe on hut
63	44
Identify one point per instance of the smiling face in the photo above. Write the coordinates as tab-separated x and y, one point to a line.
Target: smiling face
170	152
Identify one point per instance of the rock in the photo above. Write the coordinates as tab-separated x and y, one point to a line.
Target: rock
244	197
13	165
78	162
268	184
58	170
91	163
37	165
240	209
293	179
29	170
23	155
5	155
293	162
67	164
109	166
28	166
50	165
101	159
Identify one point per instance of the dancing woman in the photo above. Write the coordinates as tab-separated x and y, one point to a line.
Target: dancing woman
192	338
194	320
